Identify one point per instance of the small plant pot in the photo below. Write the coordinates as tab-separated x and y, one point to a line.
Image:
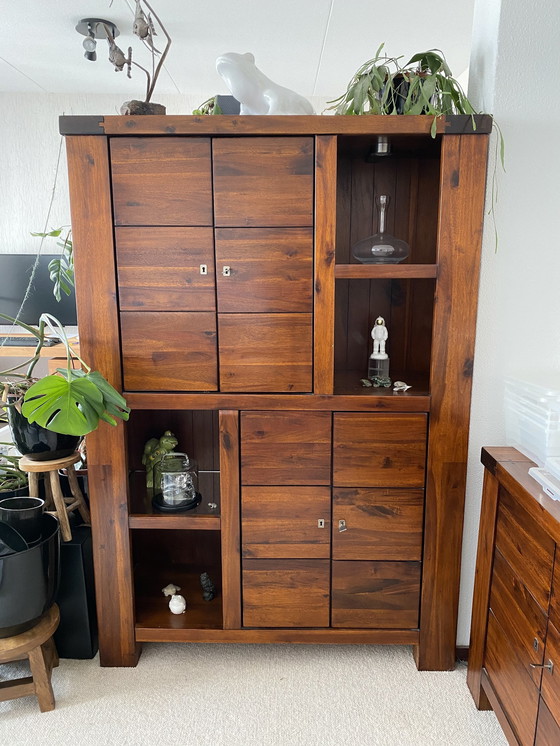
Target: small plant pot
23	514
36	442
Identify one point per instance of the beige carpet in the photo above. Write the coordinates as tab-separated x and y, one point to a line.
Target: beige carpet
245	695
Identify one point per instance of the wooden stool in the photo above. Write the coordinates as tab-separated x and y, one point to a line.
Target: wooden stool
62	505
37	645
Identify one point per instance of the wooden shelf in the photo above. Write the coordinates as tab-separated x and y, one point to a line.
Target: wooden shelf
152	610
385	271
348	383
201	518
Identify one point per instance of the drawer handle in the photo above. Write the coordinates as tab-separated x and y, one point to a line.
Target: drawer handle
549	665
203	269
342	525
320	523
226	271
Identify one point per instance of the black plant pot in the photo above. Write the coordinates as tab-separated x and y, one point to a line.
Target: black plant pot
36	442
29	581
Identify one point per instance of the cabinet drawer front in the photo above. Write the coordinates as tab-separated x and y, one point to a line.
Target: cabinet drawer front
286	593
379	450
169	351
286	448
271	270
519	615
548	730
526	546
554	611
159	269
161	181
511	682
280	522
263	181
380	524
550	686
376	595
266	352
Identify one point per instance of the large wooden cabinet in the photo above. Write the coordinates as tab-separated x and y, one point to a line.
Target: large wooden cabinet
514	660
217	289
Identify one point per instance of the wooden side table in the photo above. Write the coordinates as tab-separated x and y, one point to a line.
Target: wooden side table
37	645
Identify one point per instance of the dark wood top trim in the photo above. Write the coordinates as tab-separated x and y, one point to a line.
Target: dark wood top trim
389	271
272	125
491	456
81	125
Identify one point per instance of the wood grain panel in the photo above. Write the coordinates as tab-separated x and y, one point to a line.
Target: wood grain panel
271	270
548	730
382	450
482	581
264	181
291	448
325	238
265	352
375	594
168	351
519	615
385	271
514	687
460	220
316	636
99	341
554	610
161	181
283	522
286	593
526	546
159	269
550	686
381	524
229	499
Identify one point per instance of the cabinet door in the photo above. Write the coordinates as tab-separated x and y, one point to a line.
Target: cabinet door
266	352
548	730
165	351
161	180
376	595
286	593
550	687
270	270
379	450
263	181
165	269
291	448
377	524
286	522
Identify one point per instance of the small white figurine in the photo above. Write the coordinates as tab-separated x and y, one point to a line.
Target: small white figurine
256	93
177	604
379	335
170	589
401	386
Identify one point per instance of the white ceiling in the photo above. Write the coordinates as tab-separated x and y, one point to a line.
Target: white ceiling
312	46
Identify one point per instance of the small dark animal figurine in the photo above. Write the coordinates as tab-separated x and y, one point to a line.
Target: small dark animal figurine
208	588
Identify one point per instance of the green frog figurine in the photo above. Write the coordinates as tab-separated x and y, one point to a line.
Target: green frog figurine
154	450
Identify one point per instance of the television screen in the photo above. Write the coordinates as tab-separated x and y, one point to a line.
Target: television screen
15	271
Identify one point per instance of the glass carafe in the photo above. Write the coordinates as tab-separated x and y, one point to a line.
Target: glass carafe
382	247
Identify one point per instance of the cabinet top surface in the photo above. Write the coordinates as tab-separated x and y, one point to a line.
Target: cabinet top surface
272	125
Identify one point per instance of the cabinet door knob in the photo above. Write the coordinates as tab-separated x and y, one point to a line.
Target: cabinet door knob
549	665
226	271
342	525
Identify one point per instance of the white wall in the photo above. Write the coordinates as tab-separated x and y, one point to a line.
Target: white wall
513	64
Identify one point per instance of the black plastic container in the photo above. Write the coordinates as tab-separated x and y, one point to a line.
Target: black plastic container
29	581
38	443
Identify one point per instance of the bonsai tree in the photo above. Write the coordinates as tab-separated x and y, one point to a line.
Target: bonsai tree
70	402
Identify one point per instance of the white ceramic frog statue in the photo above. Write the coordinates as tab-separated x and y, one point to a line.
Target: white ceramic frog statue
256	93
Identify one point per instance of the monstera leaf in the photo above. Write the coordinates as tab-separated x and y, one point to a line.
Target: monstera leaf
73	404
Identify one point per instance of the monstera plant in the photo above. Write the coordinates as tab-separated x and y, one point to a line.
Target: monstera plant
70	402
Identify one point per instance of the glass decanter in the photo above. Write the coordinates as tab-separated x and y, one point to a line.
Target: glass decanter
382	247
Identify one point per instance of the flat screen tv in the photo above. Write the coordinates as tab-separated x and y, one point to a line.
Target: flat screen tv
15	271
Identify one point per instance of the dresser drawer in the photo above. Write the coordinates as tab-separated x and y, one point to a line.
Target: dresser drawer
379	524
526	546
554	611
286	448
379	450
548	730
375	595
550	686
161	180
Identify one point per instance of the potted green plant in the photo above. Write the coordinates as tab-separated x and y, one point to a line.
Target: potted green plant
69	403
13	481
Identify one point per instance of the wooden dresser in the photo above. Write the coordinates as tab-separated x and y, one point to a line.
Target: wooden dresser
514	657
217	289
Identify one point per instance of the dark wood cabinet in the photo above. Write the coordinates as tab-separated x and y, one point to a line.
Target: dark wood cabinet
229	309
515	644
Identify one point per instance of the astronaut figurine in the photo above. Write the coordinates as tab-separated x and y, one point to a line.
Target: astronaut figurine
378	364
379	335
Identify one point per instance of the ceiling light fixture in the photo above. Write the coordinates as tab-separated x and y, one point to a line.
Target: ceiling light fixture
92	29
